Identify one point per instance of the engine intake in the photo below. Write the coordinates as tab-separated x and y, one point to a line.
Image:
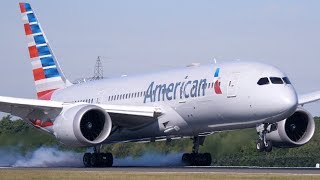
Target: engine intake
92	124
296	126
294	131
82	125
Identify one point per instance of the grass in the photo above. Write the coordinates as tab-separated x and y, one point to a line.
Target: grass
64	174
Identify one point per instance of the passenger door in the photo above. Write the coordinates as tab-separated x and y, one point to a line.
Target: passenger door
233	85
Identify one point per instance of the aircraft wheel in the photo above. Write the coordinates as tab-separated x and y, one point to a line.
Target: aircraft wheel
186	159
208	159
197	159
260	145
268	146
106	159
95	160
87	159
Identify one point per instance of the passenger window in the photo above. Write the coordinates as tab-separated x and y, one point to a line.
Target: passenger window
286	80
276	80
263	81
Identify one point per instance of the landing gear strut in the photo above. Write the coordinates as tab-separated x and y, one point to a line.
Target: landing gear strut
195	158
97	159
262	143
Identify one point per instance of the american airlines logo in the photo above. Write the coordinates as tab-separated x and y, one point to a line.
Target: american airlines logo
176	90
217	88
180	90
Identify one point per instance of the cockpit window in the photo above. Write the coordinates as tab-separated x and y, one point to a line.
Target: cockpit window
276	80
263	81
286	80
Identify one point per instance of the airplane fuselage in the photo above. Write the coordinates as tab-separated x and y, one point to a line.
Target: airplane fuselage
196	100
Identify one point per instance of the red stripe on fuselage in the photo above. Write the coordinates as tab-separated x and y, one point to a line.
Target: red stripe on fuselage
45	95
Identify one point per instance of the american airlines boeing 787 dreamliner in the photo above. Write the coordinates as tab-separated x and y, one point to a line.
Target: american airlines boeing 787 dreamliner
190	102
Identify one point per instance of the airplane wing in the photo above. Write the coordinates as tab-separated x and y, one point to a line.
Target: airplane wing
124	116
30	108
308	98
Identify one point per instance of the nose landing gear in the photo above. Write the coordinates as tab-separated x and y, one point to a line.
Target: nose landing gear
262	143
195	158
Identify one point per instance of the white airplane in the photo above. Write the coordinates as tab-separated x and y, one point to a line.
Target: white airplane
190	102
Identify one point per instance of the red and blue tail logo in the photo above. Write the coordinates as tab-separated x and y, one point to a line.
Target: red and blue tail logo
46	72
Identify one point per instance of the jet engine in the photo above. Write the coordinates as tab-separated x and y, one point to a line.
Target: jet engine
82	125
294	131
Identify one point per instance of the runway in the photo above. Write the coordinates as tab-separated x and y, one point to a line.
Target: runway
186	169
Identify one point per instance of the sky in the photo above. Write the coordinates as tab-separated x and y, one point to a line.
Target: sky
142	36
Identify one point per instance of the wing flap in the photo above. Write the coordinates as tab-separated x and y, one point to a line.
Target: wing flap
132	116
132	110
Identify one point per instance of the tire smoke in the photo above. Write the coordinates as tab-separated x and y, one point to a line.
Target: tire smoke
41	157
54	157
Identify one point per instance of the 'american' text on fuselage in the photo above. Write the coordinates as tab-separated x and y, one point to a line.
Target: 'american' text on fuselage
162	92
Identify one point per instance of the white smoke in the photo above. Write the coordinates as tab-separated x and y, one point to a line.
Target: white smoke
50	157
53	157
41	157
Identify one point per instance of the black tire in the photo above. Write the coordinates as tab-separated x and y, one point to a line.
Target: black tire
87	159
260	145
208	159
186	159
193	159
268	146
95	160
106	159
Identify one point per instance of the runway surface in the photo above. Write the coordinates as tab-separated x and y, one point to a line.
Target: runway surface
187	169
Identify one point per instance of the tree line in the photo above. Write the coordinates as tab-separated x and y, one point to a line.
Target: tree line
229	148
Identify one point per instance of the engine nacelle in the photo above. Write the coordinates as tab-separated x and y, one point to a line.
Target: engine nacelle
82	125
294	131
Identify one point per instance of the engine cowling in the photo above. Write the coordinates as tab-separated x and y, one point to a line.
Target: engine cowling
294	131
82	125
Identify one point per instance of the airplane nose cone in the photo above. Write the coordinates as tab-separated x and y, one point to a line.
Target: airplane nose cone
288	101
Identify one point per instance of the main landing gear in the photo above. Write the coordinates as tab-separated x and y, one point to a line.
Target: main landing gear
97	159
195	158
262	143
